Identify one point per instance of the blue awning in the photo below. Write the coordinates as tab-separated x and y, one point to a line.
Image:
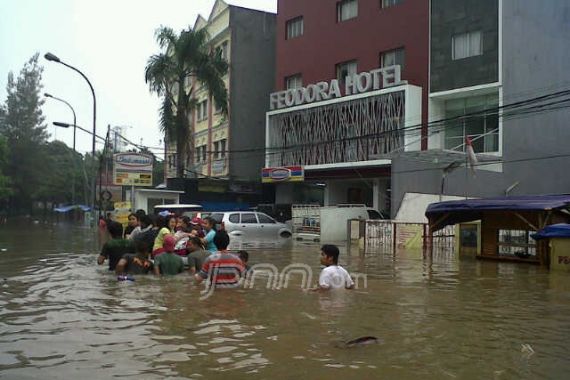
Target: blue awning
561	230
453	212
65	209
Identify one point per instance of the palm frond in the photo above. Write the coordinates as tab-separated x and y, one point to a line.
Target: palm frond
166	37
160	69
167	120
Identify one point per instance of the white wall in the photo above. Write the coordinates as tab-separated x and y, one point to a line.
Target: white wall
413	119
414	206
141	199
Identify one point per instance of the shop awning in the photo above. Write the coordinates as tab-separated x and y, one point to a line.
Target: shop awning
561	230
443	214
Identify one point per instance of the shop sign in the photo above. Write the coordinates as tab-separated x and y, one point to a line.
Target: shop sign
283	174
132	169
355	84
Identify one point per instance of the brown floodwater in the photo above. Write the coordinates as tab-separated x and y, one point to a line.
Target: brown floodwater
61	316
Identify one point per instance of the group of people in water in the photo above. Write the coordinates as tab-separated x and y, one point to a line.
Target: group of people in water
168	244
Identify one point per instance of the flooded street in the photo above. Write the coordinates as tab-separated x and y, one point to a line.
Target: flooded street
63	317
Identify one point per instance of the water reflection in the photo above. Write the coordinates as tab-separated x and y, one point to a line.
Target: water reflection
62	316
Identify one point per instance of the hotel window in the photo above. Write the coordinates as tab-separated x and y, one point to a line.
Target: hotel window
466	45
294	81
346	69
346	9
389	3
198	153
216	150
201	153
224	50
217	107
223	148
393	57
475	117
295	27
202	110
220	149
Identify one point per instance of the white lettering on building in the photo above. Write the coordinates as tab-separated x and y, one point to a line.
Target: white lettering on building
354	84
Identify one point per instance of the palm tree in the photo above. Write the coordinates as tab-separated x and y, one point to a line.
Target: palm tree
187	61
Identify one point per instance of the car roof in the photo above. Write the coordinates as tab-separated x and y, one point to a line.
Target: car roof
178	207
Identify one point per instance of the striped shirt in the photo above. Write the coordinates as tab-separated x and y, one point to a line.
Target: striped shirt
224	269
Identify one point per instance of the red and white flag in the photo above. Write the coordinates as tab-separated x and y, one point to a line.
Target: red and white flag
471	157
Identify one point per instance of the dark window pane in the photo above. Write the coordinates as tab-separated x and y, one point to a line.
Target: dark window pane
248	218
265	219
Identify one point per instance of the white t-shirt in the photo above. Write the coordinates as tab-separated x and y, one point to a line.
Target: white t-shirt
335	277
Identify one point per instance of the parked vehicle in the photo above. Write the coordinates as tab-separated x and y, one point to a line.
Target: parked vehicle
251	224
189	210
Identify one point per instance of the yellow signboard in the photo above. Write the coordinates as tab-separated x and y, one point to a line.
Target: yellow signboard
132	169
136	179
122	211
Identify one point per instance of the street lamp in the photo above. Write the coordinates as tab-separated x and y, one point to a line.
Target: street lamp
67	125
74	132
54	58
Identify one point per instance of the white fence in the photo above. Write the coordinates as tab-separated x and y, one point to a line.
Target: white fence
389	236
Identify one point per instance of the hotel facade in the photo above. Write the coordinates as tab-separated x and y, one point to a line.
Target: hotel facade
350	91
373	101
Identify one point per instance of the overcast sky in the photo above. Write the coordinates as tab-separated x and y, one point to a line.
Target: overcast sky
110	41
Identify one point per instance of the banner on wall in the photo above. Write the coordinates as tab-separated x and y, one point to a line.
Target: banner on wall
283	174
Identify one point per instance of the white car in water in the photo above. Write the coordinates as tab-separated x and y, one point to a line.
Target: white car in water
251	224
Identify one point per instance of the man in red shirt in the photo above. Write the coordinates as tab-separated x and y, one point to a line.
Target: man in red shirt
224	269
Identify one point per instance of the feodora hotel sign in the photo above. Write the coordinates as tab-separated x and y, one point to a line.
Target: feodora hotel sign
355	84
132	169
282	174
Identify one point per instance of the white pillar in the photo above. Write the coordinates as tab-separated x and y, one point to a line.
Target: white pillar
376	194
379	191
326	195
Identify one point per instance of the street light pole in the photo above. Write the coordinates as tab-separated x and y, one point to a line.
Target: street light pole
67	125
53	58
74	132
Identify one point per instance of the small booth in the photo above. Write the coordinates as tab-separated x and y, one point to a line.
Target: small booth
557	237
505	224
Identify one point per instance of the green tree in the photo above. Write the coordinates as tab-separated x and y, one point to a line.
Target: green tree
185	63
5	190
62	164
24	129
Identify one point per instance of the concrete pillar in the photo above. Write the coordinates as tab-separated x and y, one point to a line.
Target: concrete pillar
327	194
379	192
376	194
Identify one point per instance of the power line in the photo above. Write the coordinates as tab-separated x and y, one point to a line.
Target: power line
510	111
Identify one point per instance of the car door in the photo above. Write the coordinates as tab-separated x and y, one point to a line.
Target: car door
248	224
268	226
